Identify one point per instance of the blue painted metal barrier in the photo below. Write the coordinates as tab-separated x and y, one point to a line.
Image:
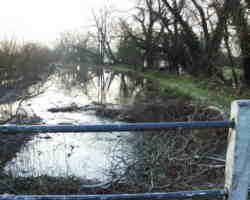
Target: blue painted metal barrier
160	195
14	129
112	127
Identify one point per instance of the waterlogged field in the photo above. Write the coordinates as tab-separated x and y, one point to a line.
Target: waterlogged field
84	155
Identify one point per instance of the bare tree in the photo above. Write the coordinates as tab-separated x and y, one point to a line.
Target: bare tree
149	32
74	47
105	33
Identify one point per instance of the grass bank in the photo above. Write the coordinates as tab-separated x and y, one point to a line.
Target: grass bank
201	90
187	87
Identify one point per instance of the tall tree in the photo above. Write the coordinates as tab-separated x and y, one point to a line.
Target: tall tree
203	45
128	52
105	33
74	47
149	32
240	20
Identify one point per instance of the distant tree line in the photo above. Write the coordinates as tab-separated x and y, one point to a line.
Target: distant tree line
75	47
22	64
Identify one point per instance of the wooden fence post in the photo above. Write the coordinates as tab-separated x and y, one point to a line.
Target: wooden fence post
238	152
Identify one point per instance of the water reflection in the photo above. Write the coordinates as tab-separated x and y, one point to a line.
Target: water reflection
73	154
81	155
103	86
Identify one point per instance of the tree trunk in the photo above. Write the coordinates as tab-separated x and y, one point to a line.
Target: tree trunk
245	46
246	43
242	28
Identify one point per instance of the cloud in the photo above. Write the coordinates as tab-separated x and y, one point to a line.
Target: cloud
44	19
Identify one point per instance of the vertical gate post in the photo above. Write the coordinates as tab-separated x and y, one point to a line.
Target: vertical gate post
238	152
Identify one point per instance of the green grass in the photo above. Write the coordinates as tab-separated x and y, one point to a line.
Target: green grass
122	68
190	88
227	72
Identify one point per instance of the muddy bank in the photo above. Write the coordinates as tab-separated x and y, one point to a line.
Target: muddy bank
161	110
155	111
73	107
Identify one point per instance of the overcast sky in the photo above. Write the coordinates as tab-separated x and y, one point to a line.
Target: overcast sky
43	20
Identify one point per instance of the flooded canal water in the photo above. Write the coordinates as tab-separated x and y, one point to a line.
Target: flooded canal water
84	155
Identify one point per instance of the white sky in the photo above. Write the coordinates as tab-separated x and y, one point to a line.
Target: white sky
44	20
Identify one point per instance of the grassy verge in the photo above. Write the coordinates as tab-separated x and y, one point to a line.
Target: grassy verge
201	90
187	87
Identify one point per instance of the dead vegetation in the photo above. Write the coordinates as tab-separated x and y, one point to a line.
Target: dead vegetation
171	160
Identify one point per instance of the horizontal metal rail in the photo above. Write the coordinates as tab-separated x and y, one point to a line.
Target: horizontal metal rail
112	127
169	195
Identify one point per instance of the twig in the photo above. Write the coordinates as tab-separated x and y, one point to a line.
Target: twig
214	158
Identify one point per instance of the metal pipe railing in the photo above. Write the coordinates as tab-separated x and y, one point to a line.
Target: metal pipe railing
140	196
13	129
112	127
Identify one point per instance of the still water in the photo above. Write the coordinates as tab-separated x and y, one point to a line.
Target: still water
84	155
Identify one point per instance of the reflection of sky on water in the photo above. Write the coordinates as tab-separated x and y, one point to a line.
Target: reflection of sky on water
83	155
